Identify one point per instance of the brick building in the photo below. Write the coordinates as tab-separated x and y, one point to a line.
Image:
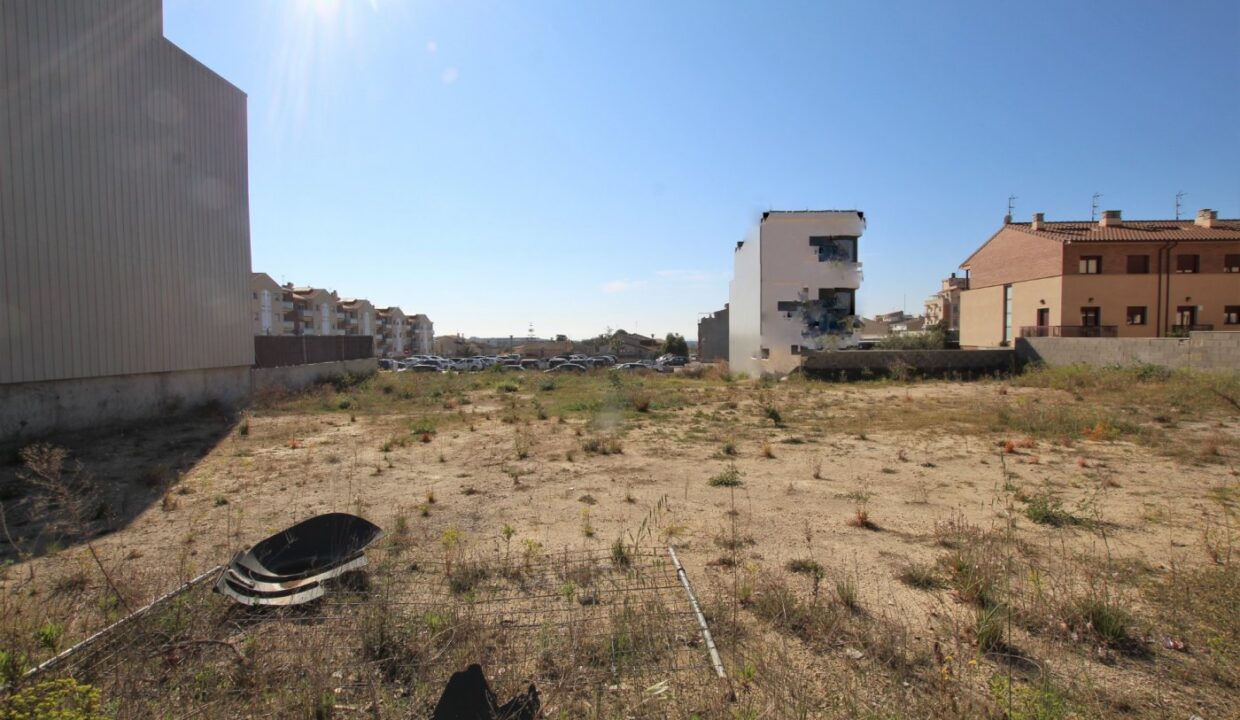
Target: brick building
1111	278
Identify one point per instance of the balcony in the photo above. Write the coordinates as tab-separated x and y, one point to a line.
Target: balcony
286	305
1070	331
1184	330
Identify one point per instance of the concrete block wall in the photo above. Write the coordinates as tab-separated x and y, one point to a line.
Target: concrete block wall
852	363
1200	351
31	410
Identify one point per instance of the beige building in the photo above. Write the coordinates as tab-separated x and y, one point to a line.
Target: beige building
124	217
392	338
314	311
943	308
1111	278
355	317
271	306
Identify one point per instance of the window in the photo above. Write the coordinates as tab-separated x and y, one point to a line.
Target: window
1231	263
796	349
1231	315
1007	314
787	307
1186	315
839	249
1187	263
1136	315
1090	264
1091	316
1138	264
840	299
766	353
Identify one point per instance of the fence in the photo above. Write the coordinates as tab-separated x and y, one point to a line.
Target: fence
284	350
1070	331
599	634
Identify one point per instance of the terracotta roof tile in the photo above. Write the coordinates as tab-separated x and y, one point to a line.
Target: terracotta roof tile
1133	231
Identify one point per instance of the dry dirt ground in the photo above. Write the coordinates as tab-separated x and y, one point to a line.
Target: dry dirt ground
1055	545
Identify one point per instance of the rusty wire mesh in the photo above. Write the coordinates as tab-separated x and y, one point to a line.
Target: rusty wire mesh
596	633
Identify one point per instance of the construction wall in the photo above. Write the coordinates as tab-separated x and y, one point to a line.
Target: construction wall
1201	351
124	206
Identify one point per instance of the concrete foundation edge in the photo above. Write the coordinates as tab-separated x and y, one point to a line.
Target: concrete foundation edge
31	410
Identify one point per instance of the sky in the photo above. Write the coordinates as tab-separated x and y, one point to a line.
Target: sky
581	165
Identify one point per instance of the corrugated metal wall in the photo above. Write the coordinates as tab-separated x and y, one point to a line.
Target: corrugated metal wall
124	202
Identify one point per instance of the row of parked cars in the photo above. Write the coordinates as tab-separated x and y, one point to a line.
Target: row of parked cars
558	364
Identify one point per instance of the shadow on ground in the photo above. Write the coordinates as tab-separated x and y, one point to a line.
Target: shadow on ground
68	488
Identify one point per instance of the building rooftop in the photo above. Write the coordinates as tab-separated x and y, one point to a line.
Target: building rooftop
1133	231
1113	228
768	213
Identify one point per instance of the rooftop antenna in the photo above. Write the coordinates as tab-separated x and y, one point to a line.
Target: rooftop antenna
1093	211
1011	205
1178	197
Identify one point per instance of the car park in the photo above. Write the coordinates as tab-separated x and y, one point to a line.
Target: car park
424	368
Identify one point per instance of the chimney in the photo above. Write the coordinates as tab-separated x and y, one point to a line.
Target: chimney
1007	219
1037	221
1206	218
1111	218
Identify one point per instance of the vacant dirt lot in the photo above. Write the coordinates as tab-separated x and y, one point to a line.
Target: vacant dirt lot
1056	545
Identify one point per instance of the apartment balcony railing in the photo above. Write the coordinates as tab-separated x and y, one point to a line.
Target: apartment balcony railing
1070	331
286	305
1184	330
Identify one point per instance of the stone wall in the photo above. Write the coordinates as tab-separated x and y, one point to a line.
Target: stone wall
1201	350
853	364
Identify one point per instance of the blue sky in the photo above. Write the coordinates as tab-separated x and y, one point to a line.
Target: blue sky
580	165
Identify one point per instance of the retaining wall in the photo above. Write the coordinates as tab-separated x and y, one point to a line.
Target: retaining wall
1201	350
33	409
851	364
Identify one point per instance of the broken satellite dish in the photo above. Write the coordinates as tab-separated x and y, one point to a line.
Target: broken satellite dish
290	567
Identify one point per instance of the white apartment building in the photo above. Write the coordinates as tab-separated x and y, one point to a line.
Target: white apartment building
422	334
391	338
793	288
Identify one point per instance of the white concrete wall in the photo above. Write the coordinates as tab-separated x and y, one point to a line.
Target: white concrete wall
744	307
777	264
791	271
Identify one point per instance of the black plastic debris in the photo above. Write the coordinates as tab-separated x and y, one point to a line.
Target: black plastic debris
290	567
467	696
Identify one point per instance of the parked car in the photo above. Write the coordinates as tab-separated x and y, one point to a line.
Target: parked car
506	367
567	367
424	368
633	366
531	364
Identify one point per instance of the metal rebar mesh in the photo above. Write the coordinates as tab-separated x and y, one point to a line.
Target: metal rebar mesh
591	631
